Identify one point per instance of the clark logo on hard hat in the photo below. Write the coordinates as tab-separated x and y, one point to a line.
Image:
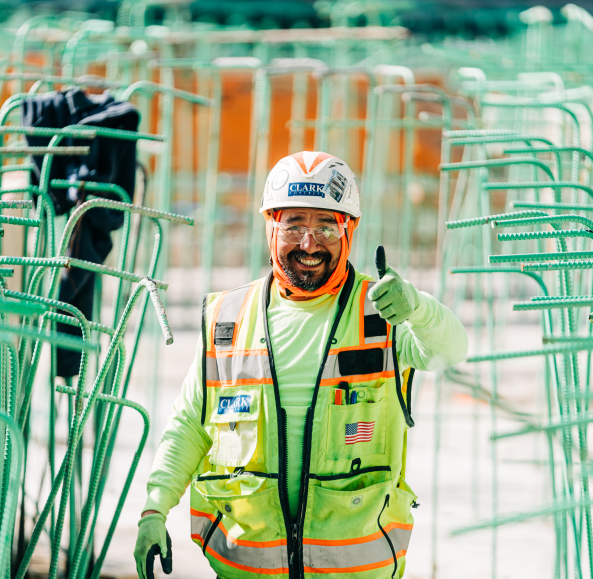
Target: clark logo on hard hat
313	180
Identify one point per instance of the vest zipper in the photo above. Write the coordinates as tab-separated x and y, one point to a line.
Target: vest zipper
308	438
387	536
294	532
211	531
282	426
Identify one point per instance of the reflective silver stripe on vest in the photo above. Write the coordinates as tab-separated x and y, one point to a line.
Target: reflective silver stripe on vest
267	558
357	555
264	557
228	368
229	309
200	525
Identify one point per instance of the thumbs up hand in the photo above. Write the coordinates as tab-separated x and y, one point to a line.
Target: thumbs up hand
393	297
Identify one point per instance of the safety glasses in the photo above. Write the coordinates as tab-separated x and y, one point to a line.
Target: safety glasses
323	235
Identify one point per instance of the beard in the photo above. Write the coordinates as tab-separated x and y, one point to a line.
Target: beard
308	281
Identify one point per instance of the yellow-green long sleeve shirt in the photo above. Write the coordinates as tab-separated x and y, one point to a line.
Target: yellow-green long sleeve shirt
432	338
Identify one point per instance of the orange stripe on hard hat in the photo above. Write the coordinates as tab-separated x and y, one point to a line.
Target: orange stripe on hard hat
298	157
320	157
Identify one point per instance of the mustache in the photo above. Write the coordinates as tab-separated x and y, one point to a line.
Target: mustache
296	253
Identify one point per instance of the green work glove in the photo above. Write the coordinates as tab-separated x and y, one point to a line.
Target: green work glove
152	540
393	297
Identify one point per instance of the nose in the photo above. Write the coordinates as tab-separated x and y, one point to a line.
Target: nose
309	244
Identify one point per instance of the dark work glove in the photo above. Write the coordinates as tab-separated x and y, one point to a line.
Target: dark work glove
153	539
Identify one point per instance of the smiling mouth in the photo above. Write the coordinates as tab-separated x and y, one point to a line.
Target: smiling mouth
309	261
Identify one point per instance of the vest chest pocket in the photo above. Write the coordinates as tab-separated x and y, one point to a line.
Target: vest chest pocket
236	418
356	430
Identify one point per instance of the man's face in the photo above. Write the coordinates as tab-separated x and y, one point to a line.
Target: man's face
309	265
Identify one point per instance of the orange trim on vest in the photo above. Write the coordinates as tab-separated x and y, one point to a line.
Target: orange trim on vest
357	540
201	514
241	543
229	353
279	571
240	382
357	569
357	378
380	345
197	536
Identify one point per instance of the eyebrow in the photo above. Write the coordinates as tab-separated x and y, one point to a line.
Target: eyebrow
322	219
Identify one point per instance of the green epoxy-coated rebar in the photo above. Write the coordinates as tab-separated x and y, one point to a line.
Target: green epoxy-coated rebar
545	234
558	507
12	220
518	257
572	339
13	473
41	261
557	206
106	364
500	163
571	302
496	356
38	151
490	218
542	428
61	340
557	266
144	414
104	269
21	308
23	204
538	185
572	218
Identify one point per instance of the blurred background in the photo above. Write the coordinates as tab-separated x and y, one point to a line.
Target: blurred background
156	123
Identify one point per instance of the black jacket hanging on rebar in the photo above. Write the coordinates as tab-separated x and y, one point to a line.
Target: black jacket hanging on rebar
110	161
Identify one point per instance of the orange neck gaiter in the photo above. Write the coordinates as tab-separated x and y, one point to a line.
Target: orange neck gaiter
336	279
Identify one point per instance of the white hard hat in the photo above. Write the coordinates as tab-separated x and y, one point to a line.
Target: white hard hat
313	180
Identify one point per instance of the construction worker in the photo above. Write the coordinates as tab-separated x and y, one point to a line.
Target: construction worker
291	424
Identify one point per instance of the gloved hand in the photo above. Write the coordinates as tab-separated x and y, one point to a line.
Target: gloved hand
152	540
393	297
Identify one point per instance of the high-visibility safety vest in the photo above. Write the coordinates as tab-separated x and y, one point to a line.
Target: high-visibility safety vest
354	515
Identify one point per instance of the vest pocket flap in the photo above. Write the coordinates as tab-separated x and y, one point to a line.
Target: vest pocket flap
236	405
236	438
356	430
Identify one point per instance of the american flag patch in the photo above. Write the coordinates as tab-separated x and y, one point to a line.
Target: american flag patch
359	432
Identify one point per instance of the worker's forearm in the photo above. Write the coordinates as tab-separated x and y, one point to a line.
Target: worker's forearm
183	446
432	338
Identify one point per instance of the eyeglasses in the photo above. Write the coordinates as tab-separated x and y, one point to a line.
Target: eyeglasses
323	235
